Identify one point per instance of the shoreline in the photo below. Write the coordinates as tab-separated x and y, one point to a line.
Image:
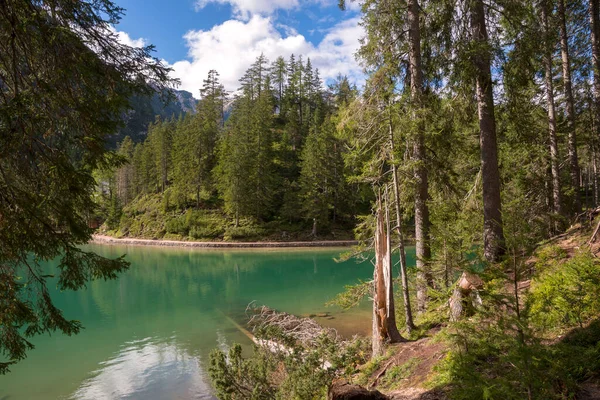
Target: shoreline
103	239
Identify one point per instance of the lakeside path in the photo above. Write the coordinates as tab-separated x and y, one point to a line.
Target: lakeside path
103	239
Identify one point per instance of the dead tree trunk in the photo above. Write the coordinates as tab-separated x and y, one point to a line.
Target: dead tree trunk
384	318
493	233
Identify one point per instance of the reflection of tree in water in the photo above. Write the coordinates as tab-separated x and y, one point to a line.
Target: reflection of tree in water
205	279
181	299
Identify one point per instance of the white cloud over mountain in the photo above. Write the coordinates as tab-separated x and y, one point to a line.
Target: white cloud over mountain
231	47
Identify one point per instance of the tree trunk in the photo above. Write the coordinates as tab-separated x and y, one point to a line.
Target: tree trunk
423	250
570	106
595	176
552	140
493	235
594	7
403	275
384	317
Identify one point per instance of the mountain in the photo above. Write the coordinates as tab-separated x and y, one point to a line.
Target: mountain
145	109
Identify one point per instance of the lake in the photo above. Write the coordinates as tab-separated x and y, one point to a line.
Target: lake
149	333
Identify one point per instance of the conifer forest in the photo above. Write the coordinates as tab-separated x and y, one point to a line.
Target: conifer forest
463	164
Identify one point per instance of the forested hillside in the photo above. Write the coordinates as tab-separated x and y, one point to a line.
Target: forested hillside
274	167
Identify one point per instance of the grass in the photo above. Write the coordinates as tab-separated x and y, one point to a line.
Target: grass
395	375
371	366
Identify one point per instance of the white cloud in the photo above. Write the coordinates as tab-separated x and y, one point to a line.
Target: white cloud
231	47
124	38
244	9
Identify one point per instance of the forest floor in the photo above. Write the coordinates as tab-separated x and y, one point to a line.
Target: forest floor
404	374
104	239
407	370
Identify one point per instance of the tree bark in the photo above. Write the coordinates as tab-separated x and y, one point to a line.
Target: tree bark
384	316
595	175
423	249
403	274
594	7
464	288
493	234
552	140
570	106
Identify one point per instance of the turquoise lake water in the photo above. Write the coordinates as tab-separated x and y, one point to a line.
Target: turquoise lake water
148	334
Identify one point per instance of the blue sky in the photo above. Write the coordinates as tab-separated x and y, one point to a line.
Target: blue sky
194	36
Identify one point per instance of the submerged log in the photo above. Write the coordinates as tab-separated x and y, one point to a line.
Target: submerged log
465	295
342	390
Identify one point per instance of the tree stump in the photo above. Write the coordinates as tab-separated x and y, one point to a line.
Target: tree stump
468	284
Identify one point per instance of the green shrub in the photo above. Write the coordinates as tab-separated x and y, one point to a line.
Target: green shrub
177	225
566	293
491	363
205	224
246	230
235	378
295	374
549	255
500	355
397	373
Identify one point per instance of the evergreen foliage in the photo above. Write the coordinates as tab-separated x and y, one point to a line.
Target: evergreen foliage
276	159
65	82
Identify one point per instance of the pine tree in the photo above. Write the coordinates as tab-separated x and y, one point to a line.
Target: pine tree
160	136
493	234
125	175
279	80
245	172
